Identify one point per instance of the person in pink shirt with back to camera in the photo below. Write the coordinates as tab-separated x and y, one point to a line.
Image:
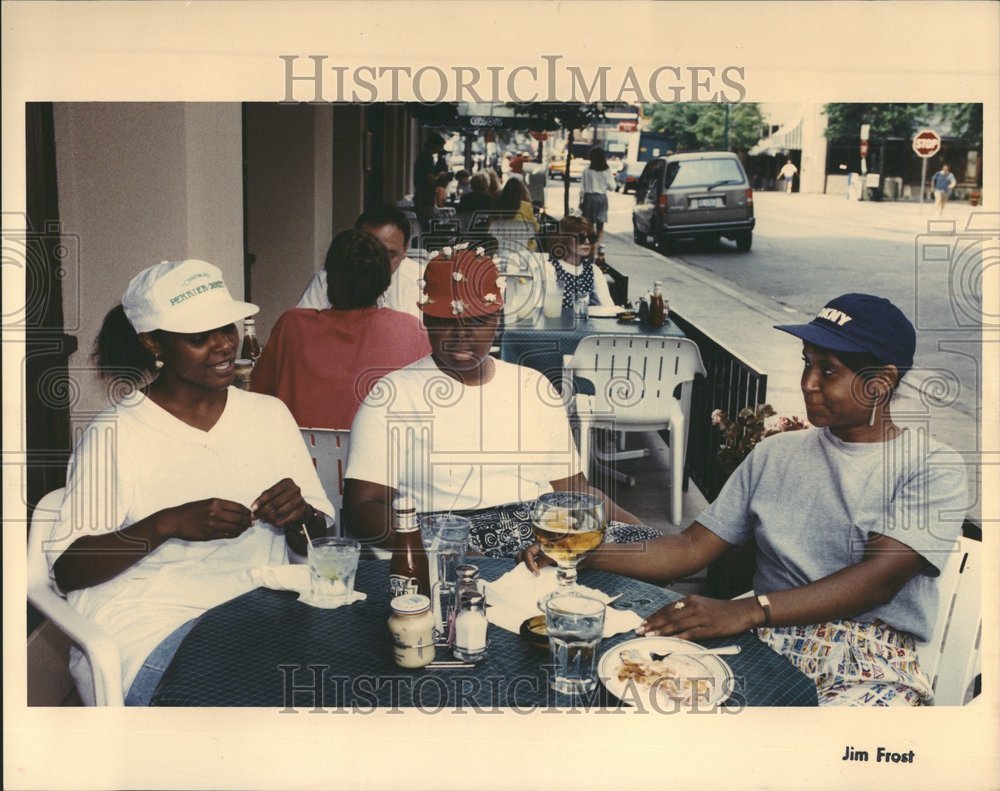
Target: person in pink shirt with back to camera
322	363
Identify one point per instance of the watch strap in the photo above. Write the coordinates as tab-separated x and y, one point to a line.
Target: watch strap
765	605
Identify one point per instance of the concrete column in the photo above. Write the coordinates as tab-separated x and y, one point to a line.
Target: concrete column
139	183
282	205
347	168
812	170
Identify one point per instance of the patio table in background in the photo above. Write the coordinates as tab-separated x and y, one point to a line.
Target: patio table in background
542	343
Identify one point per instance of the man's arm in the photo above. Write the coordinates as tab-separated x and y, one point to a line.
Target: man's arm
664	560
612	511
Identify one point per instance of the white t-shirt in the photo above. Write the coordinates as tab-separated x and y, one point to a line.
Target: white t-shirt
422	433
136	459
403	292
788	170
599	181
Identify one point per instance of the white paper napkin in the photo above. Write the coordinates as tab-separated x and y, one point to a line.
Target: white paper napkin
514	598
295	578
603	311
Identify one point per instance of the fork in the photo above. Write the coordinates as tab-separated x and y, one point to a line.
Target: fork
726	650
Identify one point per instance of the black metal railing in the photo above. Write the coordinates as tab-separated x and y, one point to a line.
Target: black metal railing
730	385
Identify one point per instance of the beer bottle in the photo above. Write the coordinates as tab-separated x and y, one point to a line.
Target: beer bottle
657	311
251	346
408	570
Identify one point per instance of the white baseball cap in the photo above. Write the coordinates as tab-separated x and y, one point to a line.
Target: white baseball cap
182	296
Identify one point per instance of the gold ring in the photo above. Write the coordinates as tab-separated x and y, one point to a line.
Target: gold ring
680	605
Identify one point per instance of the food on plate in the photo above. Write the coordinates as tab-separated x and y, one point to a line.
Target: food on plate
675	678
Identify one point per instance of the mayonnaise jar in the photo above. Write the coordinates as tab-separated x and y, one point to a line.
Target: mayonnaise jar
412	628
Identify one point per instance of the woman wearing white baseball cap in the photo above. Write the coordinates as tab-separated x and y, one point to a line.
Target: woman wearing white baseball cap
184	484
853	519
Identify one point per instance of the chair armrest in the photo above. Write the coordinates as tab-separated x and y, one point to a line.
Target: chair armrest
101	651
566	381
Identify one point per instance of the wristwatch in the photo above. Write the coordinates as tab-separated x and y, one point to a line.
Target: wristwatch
765	605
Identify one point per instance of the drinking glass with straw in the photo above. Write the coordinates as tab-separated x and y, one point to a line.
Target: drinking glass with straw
446	538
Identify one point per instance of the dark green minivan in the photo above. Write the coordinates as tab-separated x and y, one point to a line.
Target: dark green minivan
702	196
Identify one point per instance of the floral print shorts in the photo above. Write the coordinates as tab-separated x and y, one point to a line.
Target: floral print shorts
854	663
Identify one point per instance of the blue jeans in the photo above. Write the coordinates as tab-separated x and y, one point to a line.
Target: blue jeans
152	670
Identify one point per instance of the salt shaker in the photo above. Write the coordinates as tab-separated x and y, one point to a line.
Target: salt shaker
470	629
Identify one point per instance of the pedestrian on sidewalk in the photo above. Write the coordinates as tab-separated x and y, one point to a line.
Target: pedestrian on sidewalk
942	184
787	173
595	183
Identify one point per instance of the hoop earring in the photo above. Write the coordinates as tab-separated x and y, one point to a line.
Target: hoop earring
159	364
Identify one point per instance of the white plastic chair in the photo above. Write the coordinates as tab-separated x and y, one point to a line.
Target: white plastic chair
98	648
328	448
951	656
634	378
525	277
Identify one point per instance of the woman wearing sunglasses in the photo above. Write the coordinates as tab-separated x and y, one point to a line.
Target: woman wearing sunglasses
570	256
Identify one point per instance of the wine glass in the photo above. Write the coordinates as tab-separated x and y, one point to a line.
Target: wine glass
568	526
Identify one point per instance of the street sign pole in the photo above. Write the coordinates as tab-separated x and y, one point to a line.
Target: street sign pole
923	181
926	144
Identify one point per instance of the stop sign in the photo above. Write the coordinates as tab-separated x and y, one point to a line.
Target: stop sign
927	143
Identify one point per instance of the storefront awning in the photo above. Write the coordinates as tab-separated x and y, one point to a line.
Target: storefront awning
788	137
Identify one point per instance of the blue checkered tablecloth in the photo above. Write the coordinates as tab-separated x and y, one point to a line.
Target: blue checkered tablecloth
267	649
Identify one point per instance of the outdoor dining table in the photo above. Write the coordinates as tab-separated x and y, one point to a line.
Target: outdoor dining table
541	342
267	649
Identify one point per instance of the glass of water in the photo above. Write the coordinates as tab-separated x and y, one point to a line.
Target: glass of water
575	625
333	564
446	539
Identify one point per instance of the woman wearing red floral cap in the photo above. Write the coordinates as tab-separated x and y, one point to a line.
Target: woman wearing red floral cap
182	485
853	519
460	430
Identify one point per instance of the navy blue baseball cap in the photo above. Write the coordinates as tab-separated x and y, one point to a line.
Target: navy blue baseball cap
861	323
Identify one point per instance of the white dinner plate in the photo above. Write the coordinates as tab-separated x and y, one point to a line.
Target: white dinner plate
681	677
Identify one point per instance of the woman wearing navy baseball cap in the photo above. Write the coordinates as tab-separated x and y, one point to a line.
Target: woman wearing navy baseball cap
853	519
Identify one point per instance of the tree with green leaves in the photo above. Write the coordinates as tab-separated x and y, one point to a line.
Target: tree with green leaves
966	122
887	120
701	126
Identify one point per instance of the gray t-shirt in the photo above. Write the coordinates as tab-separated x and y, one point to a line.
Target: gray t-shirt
811	500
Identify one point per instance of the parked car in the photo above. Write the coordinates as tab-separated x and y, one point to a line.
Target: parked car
627	178
557	168
700	196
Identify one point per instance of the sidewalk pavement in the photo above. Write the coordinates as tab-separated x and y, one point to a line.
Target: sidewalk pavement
744	322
